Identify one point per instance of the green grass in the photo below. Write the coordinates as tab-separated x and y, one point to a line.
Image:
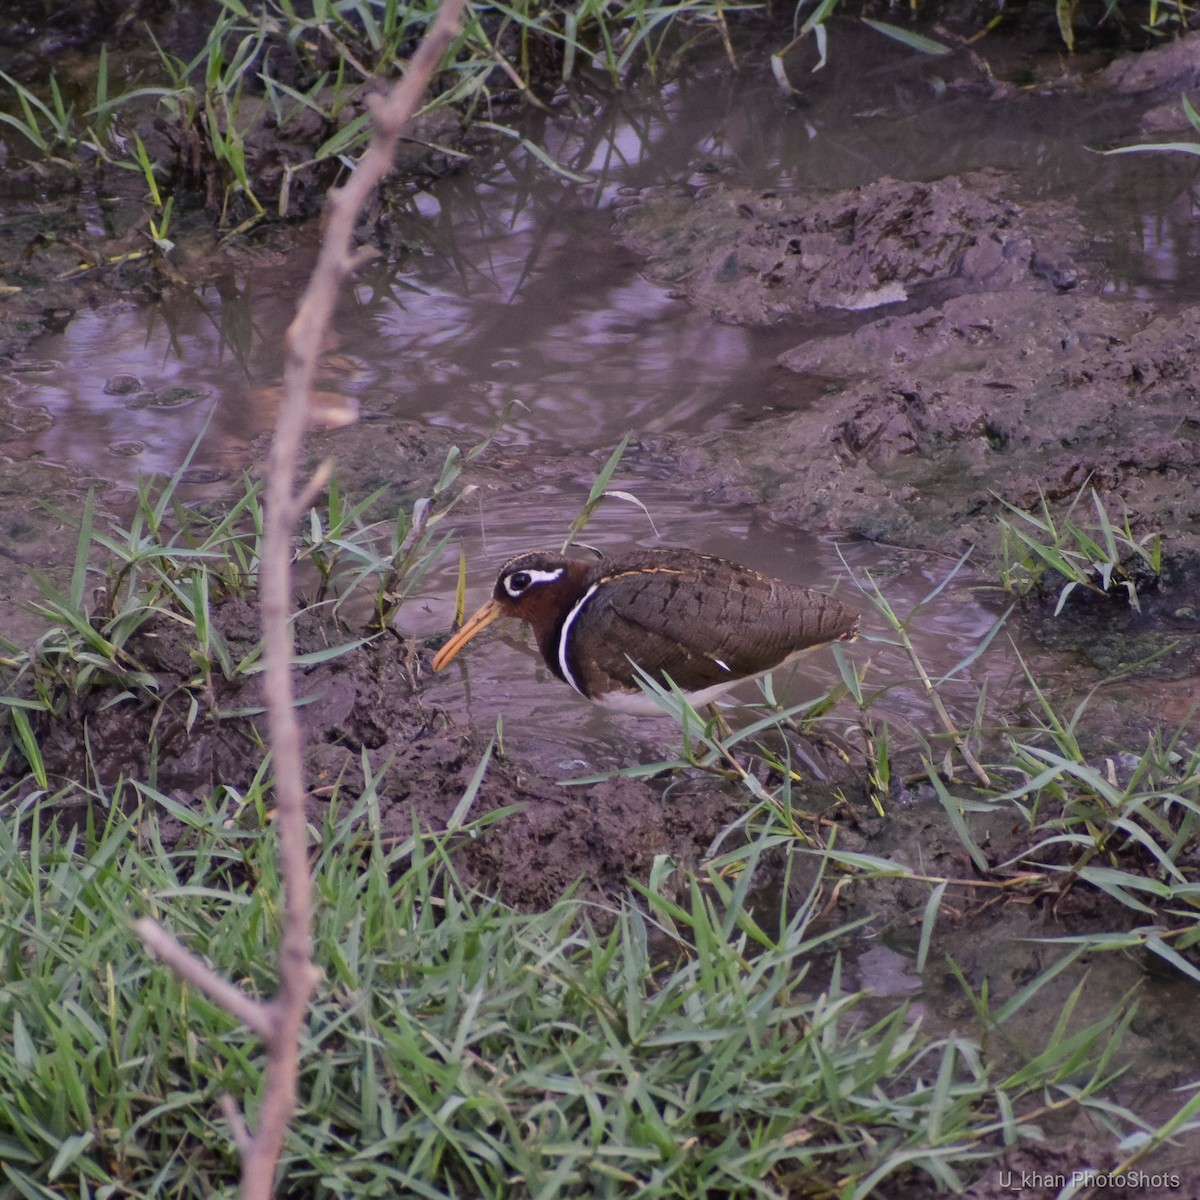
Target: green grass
459	1048
1113	817
176	563
1125	823
263	73
696	1037
279	91
1040	551
385	560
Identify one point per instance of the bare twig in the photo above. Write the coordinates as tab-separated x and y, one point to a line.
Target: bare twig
312	489
280	1020
192	968
237	1123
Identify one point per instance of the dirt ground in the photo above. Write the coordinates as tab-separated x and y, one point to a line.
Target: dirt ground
1008	379
989	365
368	703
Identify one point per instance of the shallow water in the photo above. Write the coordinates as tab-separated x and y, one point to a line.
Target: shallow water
517	293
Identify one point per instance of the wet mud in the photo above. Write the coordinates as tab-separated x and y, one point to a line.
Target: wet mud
914	427
959	342
362	716
980	357
993	362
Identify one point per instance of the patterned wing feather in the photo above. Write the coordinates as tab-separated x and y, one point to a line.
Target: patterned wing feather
701	620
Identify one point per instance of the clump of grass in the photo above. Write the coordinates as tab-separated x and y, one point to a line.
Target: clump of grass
280	70
1126	824
177	564
459	1047
1039	551
383	560
171	563
48	125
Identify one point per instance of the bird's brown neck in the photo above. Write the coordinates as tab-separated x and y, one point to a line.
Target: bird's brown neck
548	608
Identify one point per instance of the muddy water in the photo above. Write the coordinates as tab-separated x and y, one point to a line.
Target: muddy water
514	292
513	289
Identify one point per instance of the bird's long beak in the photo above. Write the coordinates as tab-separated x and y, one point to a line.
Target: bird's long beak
481	620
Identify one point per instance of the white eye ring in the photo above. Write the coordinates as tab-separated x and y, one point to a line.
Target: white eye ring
517	583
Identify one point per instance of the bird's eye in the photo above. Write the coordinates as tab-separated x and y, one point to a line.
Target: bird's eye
517	583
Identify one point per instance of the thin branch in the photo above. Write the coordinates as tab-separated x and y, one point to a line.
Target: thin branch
298	975
237	1123
312	489
194	970
280	1021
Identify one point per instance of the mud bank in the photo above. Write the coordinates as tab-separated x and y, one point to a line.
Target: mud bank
363	717
1026	381
985	355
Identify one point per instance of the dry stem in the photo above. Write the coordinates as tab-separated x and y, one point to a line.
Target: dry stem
279	1020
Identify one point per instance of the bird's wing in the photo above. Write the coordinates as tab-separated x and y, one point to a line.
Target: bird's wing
704	623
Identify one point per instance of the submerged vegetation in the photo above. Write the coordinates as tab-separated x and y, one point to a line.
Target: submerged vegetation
697	1035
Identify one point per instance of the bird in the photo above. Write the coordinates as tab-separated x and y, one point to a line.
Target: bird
700	622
